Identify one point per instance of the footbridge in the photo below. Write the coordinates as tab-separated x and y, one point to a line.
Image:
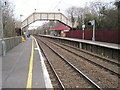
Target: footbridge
36	16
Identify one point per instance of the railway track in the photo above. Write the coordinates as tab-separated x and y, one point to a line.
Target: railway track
56	82
106	64
92	54
95	55
68	75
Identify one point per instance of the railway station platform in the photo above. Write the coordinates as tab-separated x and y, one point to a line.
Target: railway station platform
108	50
103	44
23	67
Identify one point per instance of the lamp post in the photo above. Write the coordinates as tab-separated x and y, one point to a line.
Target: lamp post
93	38
21	23
58	10
35	10
1	28
83	28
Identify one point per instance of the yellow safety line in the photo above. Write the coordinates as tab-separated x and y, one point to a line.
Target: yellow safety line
29	81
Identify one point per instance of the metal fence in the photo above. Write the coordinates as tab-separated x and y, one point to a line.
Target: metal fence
110	36
10	43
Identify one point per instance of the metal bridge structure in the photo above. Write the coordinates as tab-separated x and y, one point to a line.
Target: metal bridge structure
38	16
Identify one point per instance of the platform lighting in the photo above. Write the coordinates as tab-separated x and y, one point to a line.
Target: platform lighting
93	24
58	10
35	10
21	23
83	28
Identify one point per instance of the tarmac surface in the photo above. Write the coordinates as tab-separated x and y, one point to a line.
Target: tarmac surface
24	66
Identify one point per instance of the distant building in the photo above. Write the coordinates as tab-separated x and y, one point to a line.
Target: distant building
59	31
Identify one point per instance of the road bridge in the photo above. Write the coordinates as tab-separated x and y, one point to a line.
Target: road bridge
36	16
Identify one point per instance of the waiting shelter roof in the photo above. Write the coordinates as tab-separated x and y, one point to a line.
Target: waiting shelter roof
61	27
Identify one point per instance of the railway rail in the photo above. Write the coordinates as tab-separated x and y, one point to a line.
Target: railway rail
56	82
99	61
113	61
70	76
101	77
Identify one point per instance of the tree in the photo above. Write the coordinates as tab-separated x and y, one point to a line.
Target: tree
71	13
117	4
105	15
8	19
79	23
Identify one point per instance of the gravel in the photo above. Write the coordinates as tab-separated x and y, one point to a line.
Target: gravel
98	75
69	77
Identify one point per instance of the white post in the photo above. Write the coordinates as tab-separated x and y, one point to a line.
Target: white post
93	38
83	28
1	28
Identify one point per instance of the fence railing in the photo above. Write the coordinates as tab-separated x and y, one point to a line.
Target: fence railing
110	36
10	43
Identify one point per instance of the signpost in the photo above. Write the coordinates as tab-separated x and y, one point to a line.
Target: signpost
93	24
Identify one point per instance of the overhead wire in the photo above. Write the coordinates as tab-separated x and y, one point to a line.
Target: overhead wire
57	4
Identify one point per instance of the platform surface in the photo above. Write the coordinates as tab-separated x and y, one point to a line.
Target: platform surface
16	67
98	43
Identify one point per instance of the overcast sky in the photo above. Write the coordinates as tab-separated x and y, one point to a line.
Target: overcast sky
26	7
